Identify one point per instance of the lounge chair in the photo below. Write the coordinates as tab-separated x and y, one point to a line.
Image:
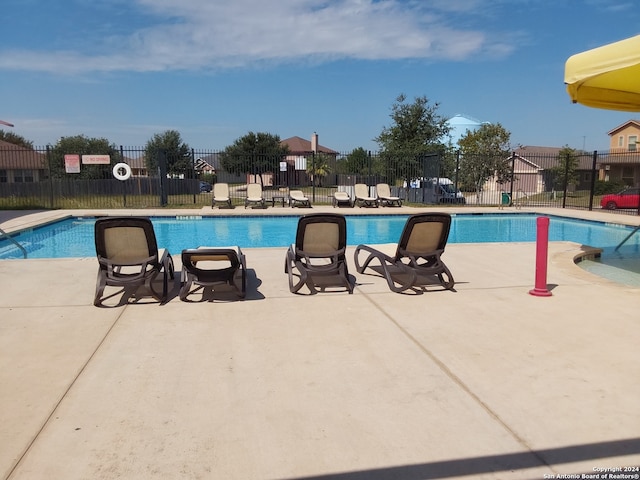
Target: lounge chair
254	195
318	254
128	256
417	260
342	199
361	192
296	197
221	194
384	196
214	267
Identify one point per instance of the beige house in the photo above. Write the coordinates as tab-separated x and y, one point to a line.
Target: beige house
20	164
623	162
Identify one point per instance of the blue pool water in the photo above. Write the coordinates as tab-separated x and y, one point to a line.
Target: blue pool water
74	237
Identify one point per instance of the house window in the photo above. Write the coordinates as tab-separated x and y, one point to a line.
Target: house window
3	176
621	141
627	175
633	139
23	176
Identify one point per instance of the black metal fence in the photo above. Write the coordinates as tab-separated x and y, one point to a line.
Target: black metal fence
42	178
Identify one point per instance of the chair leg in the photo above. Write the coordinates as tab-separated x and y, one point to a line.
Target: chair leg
101	282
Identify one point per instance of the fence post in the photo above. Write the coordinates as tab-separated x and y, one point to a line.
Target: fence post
566	179
162	173
193	173
313	177
593	180
50	178
124	187
513	176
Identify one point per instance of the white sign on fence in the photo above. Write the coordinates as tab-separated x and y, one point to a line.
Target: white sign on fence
283	166
96	159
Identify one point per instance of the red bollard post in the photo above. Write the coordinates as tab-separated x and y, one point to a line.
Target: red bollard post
542	251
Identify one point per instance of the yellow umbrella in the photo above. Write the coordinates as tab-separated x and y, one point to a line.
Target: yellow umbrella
606	77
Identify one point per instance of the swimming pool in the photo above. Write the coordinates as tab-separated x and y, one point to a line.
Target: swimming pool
74	237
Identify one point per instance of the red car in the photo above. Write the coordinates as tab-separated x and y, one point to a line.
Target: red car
628	198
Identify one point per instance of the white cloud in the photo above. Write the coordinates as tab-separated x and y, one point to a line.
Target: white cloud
210	35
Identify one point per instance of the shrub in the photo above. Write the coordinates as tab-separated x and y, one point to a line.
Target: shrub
602	187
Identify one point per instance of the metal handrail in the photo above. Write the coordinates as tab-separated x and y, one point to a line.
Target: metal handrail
14	241
625	240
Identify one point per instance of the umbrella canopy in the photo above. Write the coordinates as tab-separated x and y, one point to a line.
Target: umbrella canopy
606	77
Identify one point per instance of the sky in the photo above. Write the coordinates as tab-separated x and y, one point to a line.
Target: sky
215	70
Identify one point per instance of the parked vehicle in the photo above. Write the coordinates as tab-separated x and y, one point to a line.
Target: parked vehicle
442	190
627	198
205	187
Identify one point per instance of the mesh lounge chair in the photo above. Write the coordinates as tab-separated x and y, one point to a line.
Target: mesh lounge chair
221	194
254	195
318	254
128	256
214	267
296	197
342	199
417	260
361	192
384	196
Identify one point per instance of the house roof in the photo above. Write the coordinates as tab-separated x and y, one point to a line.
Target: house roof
624	125
300	145
547	157
17	157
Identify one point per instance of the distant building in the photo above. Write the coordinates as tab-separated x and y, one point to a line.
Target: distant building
19	164
623	162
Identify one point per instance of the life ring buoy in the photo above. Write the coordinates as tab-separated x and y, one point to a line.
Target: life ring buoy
121	171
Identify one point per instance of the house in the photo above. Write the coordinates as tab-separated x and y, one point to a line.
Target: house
532	170
20	164
300	152
622	164
301	147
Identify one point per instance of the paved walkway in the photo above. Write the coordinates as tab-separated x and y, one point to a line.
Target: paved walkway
484	382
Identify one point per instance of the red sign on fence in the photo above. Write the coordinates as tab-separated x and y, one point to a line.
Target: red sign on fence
72	163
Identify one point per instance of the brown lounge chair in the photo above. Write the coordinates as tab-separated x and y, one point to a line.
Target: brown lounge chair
417	261
297	198
128	256
384	196
342	199
214	267
361	192
221	195
318	254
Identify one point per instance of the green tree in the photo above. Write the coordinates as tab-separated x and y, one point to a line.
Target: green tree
81	145
416	133
318	168
254	153
565	172
485	154
176	152
357	162
16	139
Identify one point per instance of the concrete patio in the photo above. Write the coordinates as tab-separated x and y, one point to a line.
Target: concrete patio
484	382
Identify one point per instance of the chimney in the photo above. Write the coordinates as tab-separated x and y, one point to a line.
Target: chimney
314	142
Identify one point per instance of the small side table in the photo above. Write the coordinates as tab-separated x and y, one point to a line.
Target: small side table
279	198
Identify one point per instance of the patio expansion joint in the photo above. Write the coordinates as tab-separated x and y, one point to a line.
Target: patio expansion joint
460	383
63	396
